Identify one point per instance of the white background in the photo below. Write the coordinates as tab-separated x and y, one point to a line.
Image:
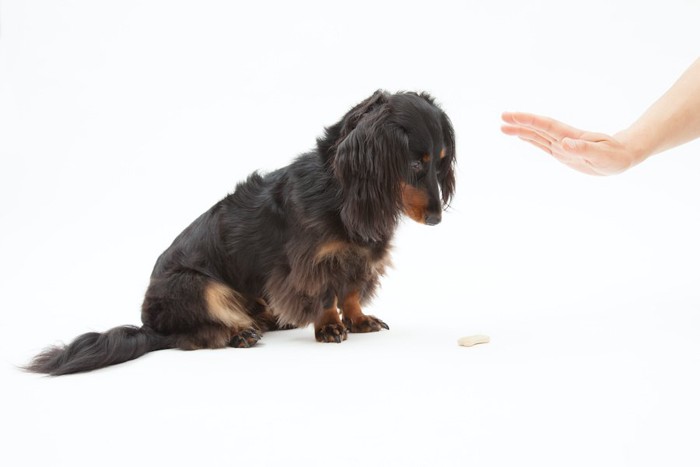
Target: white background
120	122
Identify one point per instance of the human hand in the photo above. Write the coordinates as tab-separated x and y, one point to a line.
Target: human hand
590	153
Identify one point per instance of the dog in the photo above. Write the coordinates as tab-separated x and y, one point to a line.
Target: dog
304	244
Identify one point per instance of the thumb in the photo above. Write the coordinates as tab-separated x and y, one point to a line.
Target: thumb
575	145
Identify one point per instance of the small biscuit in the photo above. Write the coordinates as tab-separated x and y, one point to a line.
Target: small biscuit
468	341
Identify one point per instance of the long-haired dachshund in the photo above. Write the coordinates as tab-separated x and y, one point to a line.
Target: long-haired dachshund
292	247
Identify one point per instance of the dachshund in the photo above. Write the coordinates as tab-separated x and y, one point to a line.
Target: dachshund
304	244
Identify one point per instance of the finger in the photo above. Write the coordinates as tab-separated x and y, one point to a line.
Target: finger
573	145
579	147
543	147
597	155
532	136
552	128
508	117
581	162
527	133
578	164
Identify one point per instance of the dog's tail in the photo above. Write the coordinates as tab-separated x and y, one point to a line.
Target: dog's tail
97	350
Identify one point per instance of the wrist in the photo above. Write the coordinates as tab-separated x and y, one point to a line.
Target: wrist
637	144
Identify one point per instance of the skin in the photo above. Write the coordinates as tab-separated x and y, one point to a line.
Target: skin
672	120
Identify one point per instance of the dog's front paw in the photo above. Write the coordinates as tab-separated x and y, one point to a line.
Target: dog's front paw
364	323
246	338
332	332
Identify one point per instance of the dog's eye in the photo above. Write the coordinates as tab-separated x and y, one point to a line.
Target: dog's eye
417	166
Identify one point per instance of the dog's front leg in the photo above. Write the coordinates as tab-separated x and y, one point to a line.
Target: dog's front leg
327	326
353	318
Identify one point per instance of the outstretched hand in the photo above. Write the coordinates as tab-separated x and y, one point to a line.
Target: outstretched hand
590	153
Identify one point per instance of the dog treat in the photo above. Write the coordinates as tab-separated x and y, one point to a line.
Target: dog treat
468	341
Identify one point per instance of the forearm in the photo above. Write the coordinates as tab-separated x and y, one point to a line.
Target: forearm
672	120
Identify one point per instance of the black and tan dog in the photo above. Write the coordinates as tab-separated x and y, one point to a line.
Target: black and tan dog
294	246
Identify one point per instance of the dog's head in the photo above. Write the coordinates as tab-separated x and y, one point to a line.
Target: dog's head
393	154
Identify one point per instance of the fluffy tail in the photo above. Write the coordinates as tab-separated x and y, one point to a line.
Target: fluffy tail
97	350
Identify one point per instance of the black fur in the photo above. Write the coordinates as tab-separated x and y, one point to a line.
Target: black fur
291	247
94	350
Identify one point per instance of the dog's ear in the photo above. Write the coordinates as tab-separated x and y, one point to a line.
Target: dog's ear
446	168
370	163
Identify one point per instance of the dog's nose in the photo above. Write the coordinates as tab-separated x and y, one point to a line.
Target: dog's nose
433	219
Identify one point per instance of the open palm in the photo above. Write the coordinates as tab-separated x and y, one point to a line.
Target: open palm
590	153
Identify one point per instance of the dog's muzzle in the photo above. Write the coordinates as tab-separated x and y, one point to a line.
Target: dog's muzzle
433	219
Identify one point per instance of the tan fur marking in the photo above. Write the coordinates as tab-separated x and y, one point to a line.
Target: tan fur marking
415	202
380	267
442	153
351	306
336	248
328	327
329	316
226	306
331	248
426	157
355	320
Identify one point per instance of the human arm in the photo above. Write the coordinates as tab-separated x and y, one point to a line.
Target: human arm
672	120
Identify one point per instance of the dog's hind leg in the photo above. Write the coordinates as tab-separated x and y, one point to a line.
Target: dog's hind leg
198	312
265	318
353	317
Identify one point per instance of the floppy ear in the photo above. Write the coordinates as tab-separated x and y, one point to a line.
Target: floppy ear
370	163
446	168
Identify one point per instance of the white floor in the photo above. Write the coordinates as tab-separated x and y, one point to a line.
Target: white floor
600	386
120	124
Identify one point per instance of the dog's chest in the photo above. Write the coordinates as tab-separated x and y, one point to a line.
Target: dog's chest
349	261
